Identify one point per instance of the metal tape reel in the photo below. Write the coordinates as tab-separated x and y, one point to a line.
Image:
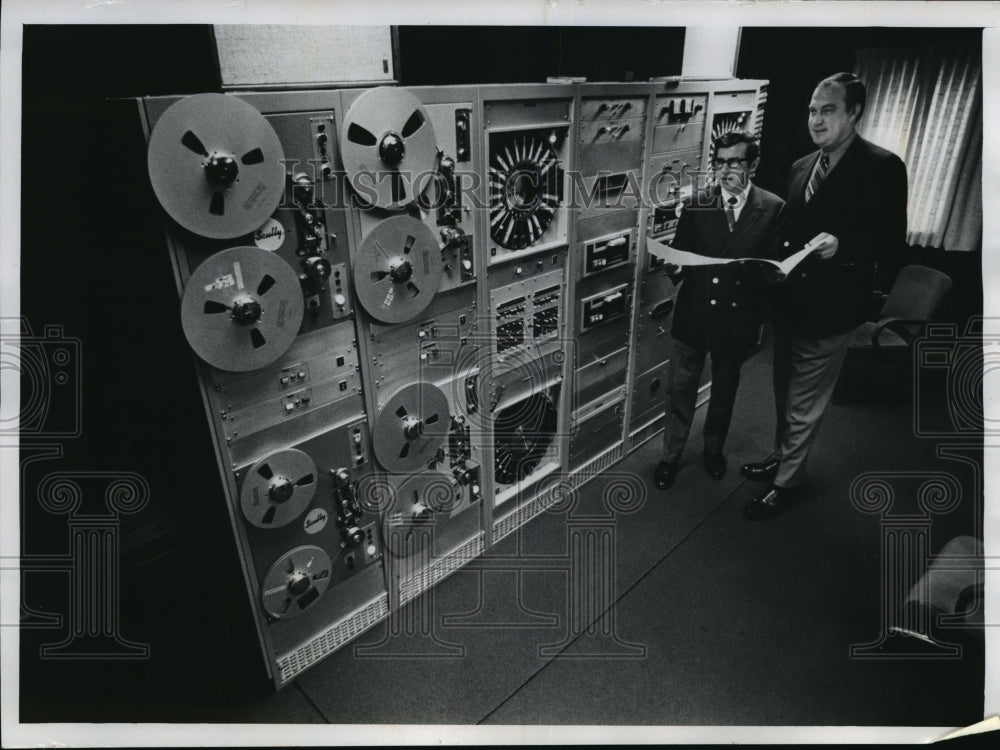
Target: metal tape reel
398	269
421	502
242	309
296	581
388	146
411	427
216	165
277	489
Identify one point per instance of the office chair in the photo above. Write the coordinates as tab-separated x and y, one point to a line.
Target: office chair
879	352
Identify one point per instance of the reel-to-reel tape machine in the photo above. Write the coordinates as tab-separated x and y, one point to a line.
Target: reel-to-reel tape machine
384	295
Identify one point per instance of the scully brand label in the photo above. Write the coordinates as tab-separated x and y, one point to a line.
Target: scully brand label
315	521
270	236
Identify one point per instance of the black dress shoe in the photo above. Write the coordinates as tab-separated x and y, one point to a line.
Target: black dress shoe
715	465
768	504
765	471
665	473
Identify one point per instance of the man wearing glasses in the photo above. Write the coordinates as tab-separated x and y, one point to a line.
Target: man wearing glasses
848	202
720	307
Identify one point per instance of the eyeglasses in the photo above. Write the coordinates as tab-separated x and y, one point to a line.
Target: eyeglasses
734	163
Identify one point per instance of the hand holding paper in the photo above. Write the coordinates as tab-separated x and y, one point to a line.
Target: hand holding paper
825	245
685	258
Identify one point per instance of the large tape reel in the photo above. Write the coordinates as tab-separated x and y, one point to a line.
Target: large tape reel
296	581
216	165
242	309
278	488
411	427
419	505
398	269
388	147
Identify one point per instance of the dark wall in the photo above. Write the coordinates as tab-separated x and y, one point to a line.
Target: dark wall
528	54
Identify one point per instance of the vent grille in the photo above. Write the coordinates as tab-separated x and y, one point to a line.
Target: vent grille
646	433
331	639
522	515
412	587
595	467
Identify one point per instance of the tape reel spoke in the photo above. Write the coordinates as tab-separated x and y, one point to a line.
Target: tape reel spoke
215	164
411	427
277	489
398	269
296	581
388	146
242	309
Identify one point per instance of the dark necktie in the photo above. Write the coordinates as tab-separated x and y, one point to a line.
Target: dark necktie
818	175
730	213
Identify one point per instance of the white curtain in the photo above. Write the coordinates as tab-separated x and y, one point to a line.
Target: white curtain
926	106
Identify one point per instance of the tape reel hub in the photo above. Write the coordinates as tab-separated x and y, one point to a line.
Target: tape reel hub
298	583
281	490
246	311
221	169
412	428
392	149
401	272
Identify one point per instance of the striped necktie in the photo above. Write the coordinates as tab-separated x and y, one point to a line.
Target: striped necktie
818	175
730	213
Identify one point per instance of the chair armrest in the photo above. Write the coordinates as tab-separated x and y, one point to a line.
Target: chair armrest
889	323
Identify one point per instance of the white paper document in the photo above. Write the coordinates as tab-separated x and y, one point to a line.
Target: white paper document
685	258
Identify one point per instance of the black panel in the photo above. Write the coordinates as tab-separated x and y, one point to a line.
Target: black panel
438	55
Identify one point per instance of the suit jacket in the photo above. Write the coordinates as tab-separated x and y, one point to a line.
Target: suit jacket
862	202
720	307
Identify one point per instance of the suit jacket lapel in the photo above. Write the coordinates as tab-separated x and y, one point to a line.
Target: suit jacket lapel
840	173
797	184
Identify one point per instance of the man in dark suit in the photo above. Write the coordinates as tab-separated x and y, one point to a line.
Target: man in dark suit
848	201
719	307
